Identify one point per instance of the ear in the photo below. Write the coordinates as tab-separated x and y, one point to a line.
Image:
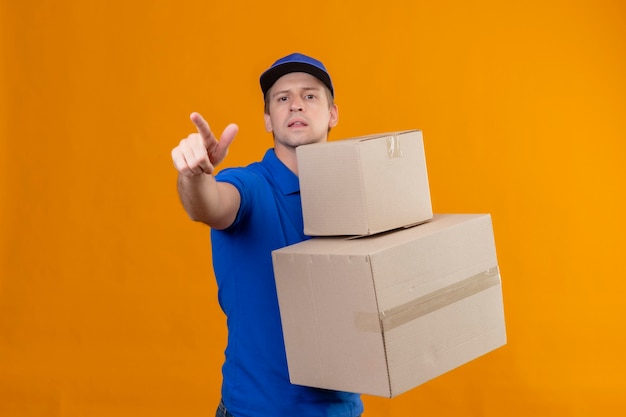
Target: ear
268	122
334	116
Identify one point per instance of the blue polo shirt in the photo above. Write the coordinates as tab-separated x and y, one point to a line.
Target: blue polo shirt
255	376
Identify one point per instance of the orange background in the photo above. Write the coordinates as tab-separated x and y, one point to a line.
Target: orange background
107	299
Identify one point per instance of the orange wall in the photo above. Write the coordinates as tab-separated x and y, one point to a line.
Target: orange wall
107	299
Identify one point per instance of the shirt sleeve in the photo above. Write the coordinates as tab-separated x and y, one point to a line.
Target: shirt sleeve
243	180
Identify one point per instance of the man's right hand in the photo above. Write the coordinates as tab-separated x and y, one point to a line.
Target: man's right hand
199	153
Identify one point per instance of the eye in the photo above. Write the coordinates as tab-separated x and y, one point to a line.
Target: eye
310	97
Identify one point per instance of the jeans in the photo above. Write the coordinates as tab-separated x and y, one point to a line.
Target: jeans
222	412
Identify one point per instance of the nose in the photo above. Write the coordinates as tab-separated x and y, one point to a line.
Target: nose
296	105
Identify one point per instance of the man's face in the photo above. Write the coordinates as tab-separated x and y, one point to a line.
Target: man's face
299	110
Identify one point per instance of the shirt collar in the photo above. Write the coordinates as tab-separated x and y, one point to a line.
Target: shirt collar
286	180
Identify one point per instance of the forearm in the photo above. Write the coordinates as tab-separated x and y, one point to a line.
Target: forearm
200	198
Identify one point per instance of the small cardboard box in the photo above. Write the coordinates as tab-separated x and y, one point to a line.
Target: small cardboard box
382	314
364	185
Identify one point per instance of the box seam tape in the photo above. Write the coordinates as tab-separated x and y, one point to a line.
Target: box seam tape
414	309
404	313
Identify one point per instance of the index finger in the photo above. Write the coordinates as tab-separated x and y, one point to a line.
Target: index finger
201	125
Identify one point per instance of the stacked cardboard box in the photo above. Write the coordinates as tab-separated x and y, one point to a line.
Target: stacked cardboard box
364	185
386	296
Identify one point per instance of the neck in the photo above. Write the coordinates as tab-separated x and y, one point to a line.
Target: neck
287	155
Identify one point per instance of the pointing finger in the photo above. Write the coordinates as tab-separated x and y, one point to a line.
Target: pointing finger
202	126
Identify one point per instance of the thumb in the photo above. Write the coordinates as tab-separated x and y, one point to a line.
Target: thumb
219	152
228	135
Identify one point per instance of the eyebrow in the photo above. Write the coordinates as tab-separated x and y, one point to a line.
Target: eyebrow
302	89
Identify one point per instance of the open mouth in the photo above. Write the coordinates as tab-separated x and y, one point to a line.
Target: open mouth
297	123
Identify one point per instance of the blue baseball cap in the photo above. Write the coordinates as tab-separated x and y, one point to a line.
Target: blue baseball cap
295	63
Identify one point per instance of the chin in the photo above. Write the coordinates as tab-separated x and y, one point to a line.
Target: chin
295	140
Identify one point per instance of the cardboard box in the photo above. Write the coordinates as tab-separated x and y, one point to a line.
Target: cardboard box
365	185
382	314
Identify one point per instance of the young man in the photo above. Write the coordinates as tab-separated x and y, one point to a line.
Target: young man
252	211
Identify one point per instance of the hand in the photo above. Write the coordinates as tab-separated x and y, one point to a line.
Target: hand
199	153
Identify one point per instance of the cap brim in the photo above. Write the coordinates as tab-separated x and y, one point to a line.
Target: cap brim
269	77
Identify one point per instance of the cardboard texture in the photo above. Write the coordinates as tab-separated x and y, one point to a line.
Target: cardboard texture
383	314
365	185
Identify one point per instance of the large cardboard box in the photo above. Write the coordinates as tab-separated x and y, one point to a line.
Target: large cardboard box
382	314
364	185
